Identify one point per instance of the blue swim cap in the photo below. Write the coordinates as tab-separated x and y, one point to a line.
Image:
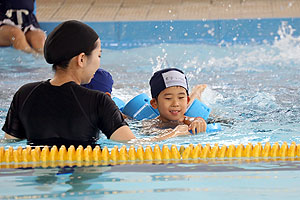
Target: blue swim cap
101	81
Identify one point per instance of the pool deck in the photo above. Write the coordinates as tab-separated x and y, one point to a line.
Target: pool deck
151	10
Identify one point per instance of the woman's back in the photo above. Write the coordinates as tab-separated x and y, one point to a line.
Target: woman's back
68	112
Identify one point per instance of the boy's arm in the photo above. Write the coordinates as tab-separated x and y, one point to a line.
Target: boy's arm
180	130
124	134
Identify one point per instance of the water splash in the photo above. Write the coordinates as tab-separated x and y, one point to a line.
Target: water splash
284	51
210	96
161	62
287	44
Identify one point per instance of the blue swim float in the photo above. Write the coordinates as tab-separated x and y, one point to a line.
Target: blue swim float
119	103
198	109
139	108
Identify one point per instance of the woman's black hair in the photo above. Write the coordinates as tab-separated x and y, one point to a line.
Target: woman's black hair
64	64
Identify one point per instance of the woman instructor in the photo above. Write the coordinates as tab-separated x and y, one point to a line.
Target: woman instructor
59	111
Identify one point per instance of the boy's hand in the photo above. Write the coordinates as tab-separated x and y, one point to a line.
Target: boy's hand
198	125
181	130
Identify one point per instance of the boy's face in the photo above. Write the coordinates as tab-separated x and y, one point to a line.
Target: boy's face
171	103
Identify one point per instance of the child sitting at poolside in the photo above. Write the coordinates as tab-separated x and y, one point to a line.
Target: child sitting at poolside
169	90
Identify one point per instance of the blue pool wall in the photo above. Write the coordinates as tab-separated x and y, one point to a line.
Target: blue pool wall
128	34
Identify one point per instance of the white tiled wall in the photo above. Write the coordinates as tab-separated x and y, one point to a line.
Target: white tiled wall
120	10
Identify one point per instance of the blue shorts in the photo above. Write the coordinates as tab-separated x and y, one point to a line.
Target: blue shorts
23	20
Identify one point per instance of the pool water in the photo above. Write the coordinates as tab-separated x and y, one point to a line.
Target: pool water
211	181
255	87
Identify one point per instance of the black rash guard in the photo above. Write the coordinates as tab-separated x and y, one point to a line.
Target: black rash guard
68	114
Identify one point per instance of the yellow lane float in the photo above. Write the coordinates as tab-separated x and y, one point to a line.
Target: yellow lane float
54	157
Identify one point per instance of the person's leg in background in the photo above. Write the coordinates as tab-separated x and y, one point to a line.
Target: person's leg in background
13	36
36	38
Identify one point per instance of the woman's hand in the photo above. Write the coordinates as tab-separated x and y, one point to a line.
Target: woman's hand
198	125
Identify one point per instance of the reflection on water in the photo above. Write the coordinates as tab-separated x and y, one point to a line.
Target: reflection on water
131	181
50	183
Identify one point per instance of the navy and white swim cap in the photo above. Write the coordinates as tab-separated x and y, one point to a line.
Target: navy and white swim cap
165	78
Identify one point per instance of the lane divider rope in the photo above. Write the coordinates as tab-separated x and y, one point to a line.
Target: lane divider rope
45	157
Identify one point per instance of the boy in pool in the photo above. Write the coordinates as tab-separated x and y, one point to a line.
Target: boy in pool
101	81
169	90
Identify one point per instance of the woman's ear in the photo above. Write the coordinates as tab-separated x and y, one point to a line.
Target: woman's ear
188	99
80	59
153	103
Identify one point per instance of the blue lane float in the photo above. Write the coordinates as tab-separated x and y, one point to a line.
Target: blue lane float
139	108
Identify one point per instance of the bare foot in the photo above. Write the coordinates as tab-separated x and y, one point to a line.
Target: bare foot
197	92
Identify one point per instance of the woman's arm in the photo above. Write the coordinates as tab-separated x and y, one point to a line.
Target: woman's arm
122	134
8	136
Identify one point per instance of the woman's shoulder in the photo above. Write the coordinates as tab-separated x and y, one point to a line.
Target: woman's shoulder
86	93
26	89
81	89
30	86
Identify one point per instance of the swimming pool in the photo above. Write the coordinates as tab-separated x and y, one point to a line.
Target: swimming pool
253	82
